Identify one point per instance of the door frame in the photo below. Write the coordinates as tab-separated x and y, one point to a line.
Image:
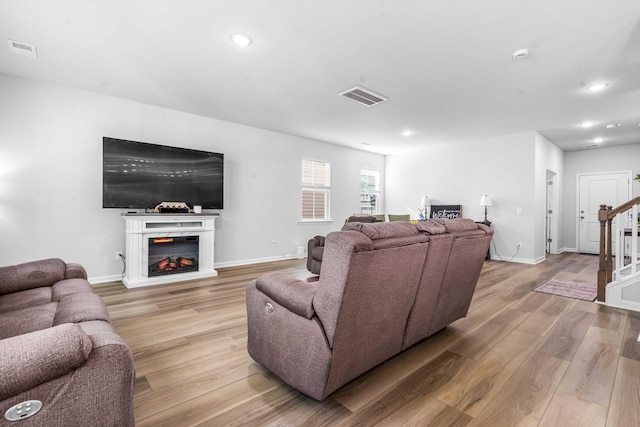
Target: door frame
578	176
551	225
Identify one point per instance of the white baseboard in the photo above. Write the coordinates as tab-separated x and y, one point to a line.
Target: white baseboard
495	257
105	279
567	250
255	260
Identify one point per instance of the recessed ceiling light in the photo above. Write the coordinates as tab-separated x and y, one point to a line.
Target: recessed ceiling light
597	87
587	124
241	39
613	125
598	140
407	133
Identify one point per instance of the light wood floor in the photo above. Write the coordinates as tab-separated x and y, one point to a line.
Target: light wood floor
518	358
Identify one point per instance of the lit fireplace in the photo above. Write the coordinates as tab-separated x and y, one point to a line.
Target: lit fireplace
172	255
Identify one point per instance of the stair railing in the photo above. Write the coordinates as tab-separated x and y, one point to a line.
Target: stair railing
625	214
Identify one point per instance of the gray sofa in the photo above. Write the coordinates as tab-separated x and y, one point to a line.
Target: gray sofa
315	245
58	348
383	288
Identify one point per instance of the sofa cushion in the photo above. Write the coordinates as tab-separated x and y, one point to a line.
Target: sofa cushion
69	287
459	224
317	252
25	320
31	275
363	218
382	230
24	299
431	226
80	308
392	242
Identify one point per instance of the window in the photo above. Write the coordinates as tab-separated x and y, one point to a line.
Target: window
316	183
369	192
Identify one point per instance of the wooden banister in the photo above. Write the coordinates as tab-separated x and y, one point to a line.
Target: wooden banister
623	207
605	266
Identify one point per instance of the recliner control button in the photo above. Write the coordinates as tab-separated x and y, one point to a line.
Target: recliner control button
23	410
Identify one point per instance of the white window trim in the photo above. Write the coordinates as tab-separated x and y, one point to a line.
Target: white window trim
318	188
377	193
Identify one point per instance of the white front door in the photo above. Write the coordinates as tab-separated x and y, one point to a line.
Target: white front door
611	189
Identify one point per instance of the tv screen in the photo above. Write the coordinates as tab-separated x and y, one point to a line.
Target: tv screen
140	175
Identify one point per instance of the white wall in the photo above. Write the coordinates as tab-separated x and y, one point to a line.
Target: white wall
51	177
548	157
600	160
504	168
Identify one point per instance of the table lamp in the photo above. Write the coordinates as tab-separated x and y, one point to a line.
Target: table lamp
486	201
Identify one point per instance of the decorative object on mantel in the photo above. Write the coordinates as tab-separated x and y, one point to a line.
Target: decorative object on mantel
486	201
426	207
172	207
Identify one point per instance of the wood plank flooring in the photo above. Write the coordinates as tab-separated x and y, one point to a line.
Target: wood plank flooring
519	358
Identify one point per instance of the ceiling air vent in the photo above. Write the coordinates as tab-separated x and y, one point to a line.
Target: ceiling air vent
364	96
22	49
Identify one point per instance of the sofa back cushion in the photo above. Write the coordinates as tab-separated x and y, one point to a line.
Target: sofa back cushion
382	230
363	300
460	279
424	305
458	224
31	275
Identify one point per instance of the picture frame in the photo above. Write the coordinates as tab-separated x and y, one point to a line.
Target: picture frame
446	211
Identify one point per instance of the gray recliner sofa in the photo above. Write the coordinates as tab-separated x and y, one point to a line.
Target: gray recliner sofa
315	245
60	358
383	288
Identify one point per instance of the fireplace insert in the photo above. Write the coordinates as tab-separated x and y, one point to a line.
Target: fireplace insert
173	255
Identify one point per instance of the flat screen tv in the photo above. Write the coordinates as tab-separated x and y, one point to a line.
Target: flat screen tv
140	175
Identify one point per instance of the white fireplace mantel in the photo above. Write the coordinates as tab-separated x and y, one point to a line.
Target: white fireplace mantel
139	228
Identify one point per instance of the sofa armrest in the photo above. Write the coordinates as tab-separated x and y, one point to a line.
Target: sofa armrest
488	230
75	271
293	294
31	359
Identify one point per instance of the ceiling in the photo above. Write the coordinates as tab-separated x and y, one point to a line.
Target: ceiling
445	65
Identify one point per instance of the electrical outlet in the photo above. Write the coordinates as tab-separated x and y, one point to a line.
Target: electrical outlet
274	243
119	255
518	245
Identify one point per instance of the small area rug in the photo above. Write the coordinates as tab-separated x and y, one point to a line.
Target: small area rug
578	290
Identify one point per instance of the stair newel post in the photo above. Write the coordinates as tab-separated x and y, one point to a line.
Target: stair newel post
602	269
609	247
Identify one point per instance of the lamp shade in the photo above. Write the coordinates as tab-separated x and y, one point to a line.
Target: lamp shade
425	201
486	201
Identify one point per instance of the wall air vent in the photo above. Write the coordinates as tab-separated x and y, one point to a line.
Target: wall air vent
23	49
364	96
